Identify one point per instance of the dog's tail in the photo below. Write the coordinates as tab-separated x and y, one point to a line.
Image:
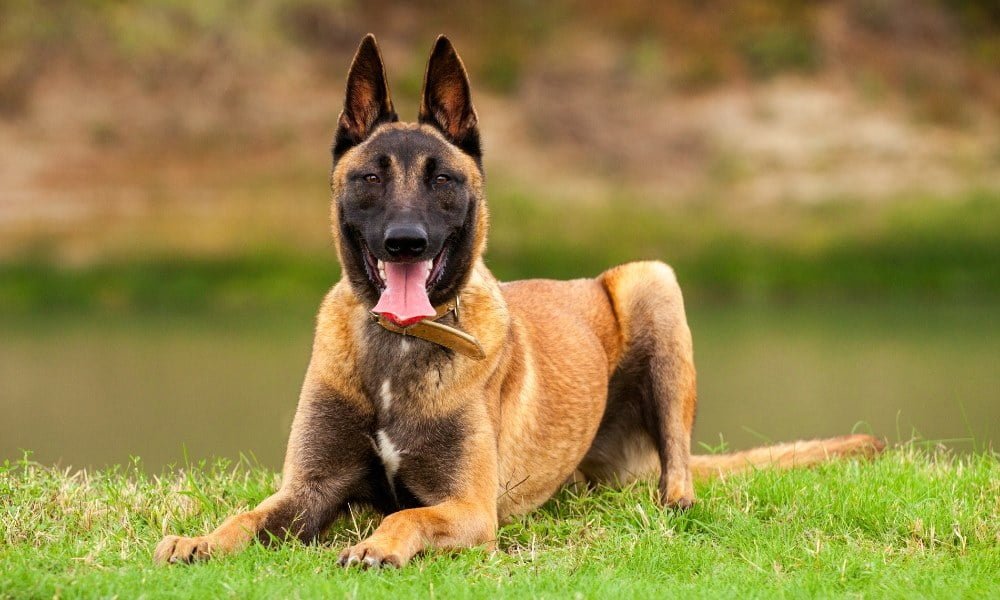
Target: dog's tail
786	456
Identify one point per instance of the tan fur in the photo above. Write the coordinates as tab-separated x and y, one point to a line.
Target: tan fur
538	430
786	456
591	379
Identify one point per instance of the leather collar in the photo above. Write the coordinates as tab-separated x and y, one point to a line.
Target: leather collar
438	333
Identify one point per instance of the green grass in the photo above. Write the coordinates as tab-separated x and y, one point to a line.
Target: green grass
915	522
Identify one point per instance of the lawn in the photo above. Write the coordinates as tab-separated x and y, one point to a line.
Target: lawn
918	521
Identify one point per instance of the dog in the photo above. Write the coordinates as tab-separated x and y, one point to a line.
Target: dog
450	402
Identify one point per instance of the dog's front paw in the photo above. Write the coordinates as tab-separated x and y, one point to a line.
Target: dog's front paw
177	549
372	553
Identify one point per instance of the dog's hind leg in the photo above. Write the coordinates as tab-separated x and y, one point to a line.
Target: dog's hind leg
652	393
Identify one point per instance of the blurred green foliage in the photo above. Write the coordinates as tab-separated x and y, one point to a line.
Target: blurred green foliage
925	249
779	49
931	248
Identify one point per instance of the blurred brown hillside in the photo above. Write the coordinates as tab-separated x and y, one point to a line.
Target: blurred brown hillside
136	112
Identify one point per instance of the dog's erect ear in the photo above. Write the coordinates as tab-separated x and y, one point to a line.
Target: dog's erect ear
367	103
446	102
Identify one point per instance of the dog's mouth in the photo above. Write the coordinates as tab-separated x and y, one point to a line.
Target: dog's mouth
404	287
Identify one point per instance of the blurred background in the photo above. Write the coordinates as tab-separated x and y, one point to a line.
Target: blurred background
824	177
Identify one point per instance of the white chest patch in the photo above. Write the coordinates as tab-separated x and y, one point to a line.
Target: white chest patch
389	454
385	394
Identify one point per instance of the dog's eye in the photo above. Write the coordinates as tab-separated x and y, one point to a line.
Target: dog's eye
441	179
372	178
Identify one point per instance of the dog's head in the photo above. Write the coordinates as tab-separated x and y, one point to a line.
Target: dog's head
409	214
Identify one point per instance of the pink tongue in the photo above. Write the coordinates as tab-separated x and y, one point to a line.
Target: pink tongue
404	300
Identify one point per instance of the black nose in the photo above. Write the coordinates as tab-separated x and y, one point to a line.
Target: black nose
405	241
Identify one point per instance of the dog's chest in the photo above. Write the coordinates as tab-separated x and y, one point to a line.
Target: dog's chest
394	365
418	452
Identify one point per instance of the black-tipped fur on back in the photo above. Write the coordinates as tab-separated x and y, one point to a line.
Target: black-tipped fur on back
367	103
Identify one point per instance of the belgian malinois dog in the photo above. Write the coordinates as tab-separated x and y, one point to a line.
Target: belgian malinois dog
448	401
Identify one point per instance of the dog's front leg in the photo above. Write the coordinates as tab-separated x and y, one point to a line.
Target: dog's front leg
453	524
326	459
467	517
300	513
